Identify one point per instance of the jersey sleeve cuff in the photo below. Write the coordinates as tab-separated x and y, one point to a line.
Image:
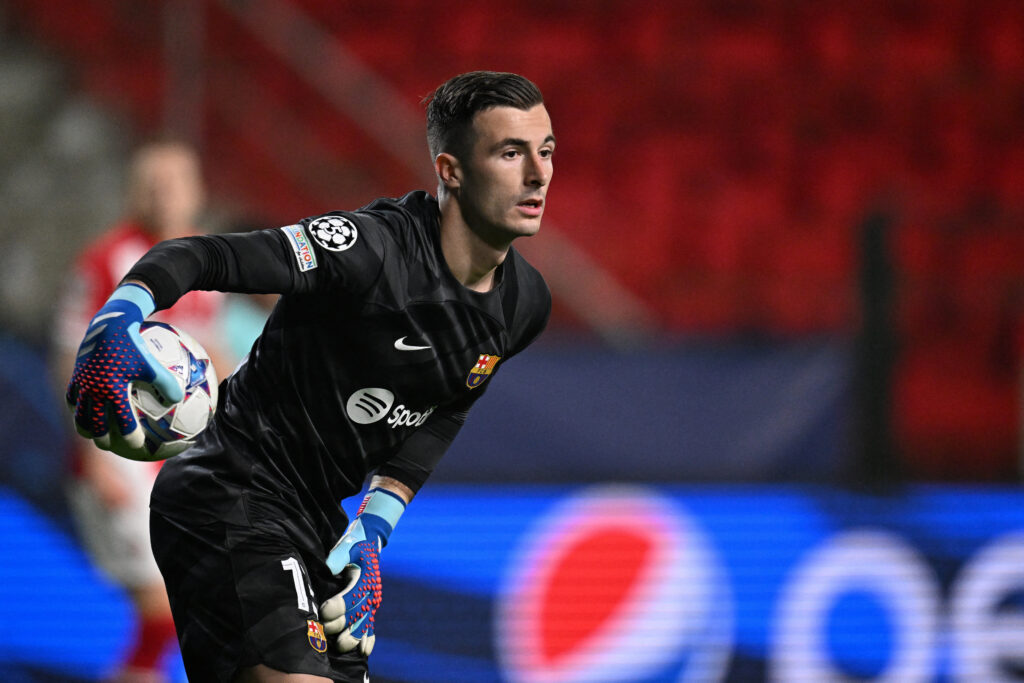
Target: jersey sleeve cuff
414	480
160	283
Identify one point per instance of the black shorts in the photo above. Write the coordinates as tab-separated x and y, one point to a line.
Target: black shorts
245	595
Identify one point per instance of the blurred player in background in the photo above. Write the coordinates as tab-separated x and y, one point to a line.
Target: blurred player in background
109	495
392	320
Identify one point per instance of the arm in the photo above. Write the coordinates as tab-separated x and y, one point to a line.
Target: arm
258	262
349	615
421	452
112	354
393	486
254	262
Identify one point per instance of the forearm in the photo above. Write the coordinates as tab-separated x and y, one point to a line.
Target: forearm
254	262
394	486
138	283
412	465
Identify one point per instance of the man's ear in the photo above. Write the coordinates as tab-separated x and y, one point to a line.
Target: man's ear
448	170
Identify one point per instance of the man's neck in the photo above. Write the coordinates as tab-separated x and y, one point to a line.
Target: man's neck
471	260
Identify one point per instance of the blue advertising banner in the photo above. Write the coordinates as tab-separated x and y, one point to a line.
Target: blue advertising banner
643	583
633	583
688	413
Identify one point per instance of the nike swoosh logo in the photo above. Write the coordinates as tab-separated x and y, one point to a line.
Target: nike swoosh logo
402	346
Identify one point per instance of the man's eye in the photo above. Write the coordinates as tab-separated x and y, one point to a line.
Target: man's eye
510	154
547	153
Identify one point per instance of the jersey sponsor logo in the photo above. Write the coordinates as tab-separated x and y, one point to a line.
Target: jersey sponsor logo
366	406
370	405
402	346
334	233
481	370
403	417
304	255
315	633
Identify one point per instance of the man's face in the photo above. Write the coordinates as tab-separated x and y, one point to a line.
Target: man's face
506	173
167	191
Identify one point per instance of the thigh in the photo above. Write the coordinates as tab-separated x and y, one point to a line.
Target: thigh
243	596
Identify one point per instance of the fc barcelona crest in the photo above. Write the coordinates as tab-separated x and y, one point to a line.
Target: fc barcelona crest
315	632
482	370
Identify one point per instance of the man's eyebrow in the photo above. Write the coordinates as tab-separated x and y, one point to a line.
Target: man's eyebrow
519	142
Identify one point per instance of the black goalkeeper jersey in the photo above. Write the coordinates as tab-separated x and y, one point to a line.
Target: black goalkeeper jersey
370	360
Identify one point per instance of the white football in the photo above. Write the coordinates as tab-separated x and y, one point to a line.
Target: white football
169	427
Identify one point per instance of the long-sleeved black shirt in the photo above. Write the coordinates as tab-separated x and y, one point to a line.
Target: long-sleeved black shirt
370	360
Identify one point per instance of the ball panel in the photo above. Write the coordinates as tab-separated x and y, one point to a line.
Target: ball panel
169	428
192	414
148	401
163	343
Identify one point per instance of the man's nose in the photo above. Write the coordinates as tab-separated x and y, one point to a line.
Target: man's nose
538	172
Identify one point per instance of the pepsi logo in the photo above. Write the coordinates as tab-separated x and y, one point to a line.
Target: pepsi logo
615	583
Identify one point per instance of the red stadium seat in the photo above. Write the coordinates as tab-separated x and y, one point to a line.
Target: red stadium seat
718	157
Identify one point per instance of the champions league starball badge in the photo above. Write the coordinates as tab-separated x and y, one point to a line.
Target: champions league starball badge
334	233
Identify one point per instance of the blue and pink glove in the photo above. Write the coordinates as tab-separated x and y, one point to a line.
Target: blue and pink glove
356	558
112	355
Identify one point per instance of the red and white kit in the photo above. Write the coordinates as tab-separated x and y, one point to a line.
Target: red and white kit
118	538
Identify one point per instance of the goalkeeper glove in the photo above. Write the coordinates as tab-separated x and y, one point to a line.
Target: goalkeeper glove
356	558
112	355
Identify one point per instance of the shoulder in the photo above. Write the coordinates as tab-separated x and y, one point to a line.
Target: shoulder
531	283
384	222
355	249
406	220
525	271
416	205
526	299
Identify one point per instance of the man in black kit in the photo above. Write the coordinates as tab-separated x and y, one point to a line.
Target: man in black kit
392	321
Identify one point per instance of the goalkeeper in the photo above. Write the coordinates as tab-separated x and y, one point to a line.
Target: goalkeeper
392	322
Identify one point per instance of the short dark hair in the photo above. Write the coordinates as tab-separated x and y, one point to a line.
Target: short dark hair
451	108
